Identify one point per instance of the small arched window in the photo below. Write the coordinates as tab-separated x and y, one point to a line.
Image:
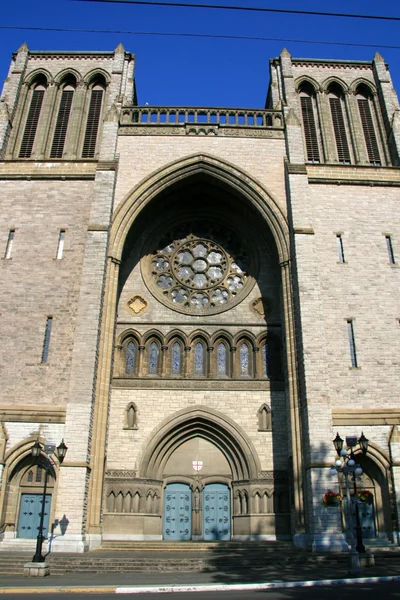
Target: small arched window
130	358
199	360
264	418
64	111
131	416
176	359
310	119
338	111
244	360
93	121
222	360
367	116
153	358
32	119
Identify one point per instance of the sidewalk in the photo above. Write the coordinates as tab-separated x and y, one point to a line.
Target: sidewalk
139	582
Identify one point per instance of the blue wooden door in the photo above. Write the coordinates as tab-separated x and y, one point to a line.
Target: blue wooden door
216	512
367	519
177	512
29	515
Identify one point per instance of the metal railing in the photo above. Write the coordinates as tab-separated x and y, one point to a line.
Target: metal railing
221	117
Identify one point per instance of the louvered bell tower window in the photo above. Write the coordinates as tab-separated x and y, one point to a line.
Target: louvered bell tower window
92	124
367	122
60	131
32	122
339	128
310	130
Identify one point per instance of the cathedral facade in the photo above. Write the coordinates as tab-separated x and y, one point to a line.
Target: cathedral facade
197	300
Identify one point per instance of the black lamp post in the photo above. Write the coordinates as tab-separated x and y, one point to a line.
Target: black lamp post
37	450
349	467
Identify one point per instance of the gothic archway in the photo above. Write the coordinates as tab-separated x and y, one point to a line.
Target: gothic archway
252	196
210	425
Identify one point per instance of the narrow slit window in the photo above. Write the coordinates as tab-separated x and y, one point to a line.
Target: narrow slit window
367	122
198	360
244	357
389	247
60	131
222	370
92	124
130	358
154	355
308	110
352	343
10	242
46	341
339	240
32	122
176	359
339	127
60	246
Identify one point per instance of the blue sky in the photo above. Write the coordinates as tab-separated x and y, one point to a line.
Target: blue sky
198	71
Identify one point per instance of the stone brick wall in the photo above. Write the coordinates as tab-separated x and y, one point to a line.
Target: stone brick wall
36	285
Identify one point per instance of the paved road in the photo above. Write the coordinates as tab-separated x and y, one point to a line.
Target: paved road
334	592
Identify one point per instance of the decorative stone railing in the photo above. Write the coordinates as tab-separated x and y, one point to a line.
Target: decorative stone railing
209	117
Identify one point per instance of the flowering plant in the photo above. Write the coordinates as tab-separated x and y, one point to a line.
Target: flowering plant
331	498
364	496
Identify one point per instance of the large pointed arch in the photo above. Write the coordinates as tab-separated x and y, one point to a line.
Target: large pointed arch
237	179
204	422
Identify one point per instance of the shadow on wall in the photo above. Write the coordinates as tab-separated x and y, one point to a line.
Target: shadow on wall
63	525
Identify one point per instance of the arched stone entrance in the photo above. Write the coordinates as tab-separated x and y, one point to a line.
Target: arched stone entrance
195	195
22	495
377	515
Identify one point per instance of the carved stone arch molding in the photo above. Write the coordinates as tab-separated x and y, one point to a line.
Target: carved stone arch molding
237	179
208	424
223	433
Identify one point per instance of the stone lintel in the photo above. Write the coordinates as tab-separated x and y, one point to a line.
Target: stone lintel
294	169
373	416
29	414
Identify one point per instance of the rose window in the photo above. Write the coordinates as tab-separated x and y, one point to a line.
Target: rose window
200	268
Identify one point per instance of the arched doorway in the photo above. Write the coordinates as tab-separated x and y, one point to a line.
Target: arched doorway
375	510
24	499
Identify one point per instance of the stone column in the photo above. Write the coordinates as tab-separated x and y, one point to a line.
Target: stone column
389	104
164	370
75	125
186	366
360	150
210	363
14	141
328	139
257	368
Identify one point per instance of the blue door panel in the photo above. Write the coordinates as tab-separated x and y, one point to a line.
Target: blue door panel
177	522
29	515
216	512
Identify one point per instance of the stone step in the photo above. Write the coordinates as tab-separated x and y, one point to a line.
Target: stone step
96	562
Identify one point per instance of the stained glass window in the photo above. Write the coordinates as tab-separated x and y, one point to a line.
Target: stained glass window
199	359
266	361
176	359
130	358
221	360
244	360
154	353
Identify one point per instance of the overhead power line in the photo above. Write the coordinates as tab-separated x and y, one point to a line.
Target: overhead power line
248	9
199	35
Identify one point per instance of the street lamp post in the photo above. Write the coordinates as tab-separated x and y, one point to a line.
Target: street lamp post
346	464
49	448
